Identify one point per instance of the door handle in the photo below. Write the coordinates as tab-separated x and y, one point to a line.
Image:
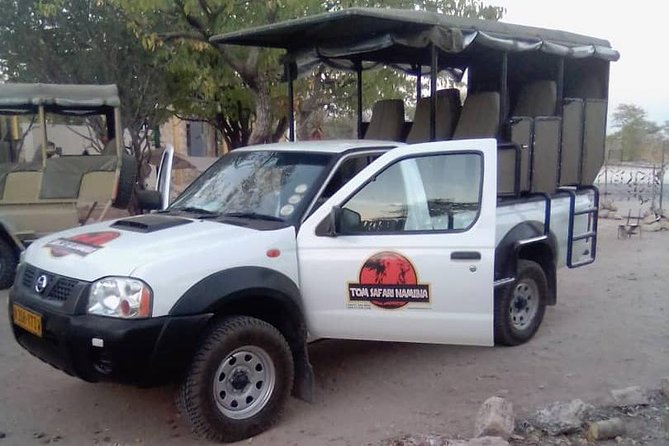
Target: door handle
465	255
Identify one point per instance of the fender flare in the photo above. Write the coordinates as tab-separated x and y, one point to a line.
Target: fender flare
526	236
219	288
231	287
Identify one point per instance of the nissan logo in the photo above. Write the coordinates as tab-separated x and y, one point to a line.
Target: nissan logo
41	283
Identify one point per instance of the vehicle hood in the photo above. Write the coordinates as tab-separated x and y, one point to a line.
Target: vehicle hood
116	249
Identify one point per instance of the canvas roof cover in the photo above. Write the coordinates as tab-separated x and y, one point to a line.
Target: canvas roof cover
58	95
394	36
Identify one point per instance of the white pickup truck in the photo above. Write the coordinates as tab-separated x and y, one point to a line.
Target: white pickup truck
279	243
454	238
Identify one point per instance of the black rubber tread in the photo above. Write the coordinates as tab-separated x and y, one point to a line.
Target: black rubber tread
195	399
8	263
505	333
126	181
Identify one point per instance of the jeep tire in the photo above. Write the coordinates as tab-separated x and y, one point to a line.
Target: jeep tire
126	181
520	306
238	381
8	263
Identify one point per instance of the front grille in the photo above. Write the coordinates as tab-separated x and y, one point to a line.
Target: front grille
59	288
29	274
62	289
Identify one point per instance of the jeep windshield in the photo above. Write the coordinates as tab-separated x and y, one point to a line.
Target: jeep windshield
255	186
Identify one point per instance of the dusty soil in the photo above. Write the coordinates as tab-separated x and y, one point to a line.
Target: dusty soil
610	329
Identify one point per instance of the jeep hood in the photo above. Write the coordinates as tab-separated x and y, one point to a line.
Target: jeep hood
119	248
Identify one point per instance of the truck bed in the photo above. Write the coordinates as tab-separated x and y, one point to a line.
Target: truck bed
513	212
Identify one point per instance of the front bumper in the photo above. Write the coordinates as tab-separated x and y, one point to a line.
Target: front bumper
144	351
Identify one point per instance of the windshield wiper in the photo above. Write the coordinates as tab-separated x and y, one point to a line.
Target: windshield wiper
253	216
196	210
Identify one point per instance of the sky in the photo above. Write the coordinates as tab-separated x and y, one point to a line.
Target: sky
641	76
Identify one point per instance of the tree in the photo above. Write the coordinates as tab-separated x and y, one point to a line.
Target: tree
238	90
84	41
637	138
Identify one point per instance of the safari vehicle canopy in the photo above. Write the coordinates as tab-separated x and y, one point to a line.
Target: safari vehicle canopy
542	93
47	190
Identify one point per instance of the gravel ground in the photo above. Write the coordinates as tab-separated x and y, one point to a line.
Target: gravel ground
609	330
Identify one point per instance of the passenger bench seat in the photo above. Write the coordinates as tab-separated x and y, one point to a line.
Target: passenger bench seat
536	104
448	112
537	99
387	121
479	117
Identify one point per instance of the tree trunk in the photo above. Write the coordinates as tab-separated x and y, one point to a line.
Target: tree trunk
262	128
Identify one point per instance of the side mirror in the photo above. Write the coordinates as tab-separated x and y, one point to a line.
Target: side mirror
149	200
341	221
345	220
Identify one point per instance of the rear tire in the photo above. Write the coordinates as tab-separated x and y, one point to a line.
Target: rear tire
520	307
8	263
126	182
238	381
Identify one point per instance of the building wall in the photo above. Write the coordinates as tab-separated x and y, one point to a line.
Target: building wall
177	132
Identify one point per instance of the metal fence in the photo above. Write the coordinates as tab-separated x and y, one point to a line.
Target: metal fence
635	187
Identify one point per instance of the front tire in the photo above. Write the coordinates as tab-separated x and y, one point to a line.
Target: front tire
238	381
520	307
8	263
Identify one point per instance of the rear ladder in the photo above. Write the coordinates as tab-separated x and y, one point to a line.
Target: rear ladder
588	256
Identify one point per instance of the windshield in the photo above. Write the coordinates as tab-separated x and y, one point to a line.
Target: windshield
256	185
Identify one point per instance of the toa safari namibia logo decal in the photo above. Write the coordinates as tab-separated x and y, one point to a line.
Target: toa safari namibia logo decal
82	244
388	280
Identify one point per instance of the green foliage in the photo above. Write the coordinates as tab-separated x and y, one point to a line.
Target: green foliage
238	89
79	42
637	138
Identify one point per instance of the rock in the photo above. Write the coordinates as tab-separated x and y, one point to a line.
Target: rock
562	418
653	227
608	205
651	218
417	440
630	396
487	441
2	435
605	429
664	386
495	418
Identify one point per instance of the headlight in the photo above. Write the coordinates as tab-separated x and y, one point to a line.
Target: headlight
120	297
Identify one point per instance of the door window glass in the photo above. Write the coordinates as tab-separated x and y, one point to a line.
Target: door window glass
452	186
429	193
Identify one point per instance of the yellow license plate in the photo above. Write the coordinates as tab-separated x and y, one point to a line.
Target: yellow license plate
29	321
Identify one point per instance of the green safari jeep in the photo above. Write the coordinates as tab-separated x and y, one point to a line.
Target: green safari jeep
44	189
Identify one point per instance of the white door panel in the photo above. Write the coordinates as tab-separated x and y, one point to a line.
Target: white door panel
423	294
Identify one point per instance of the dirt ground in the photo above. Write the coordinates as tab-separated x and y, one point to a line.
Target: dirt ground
610	329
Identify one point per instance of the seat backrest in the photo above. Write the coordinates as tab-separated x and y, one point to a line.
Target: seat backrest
537	99
479	117
63	176
387	120
448	112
